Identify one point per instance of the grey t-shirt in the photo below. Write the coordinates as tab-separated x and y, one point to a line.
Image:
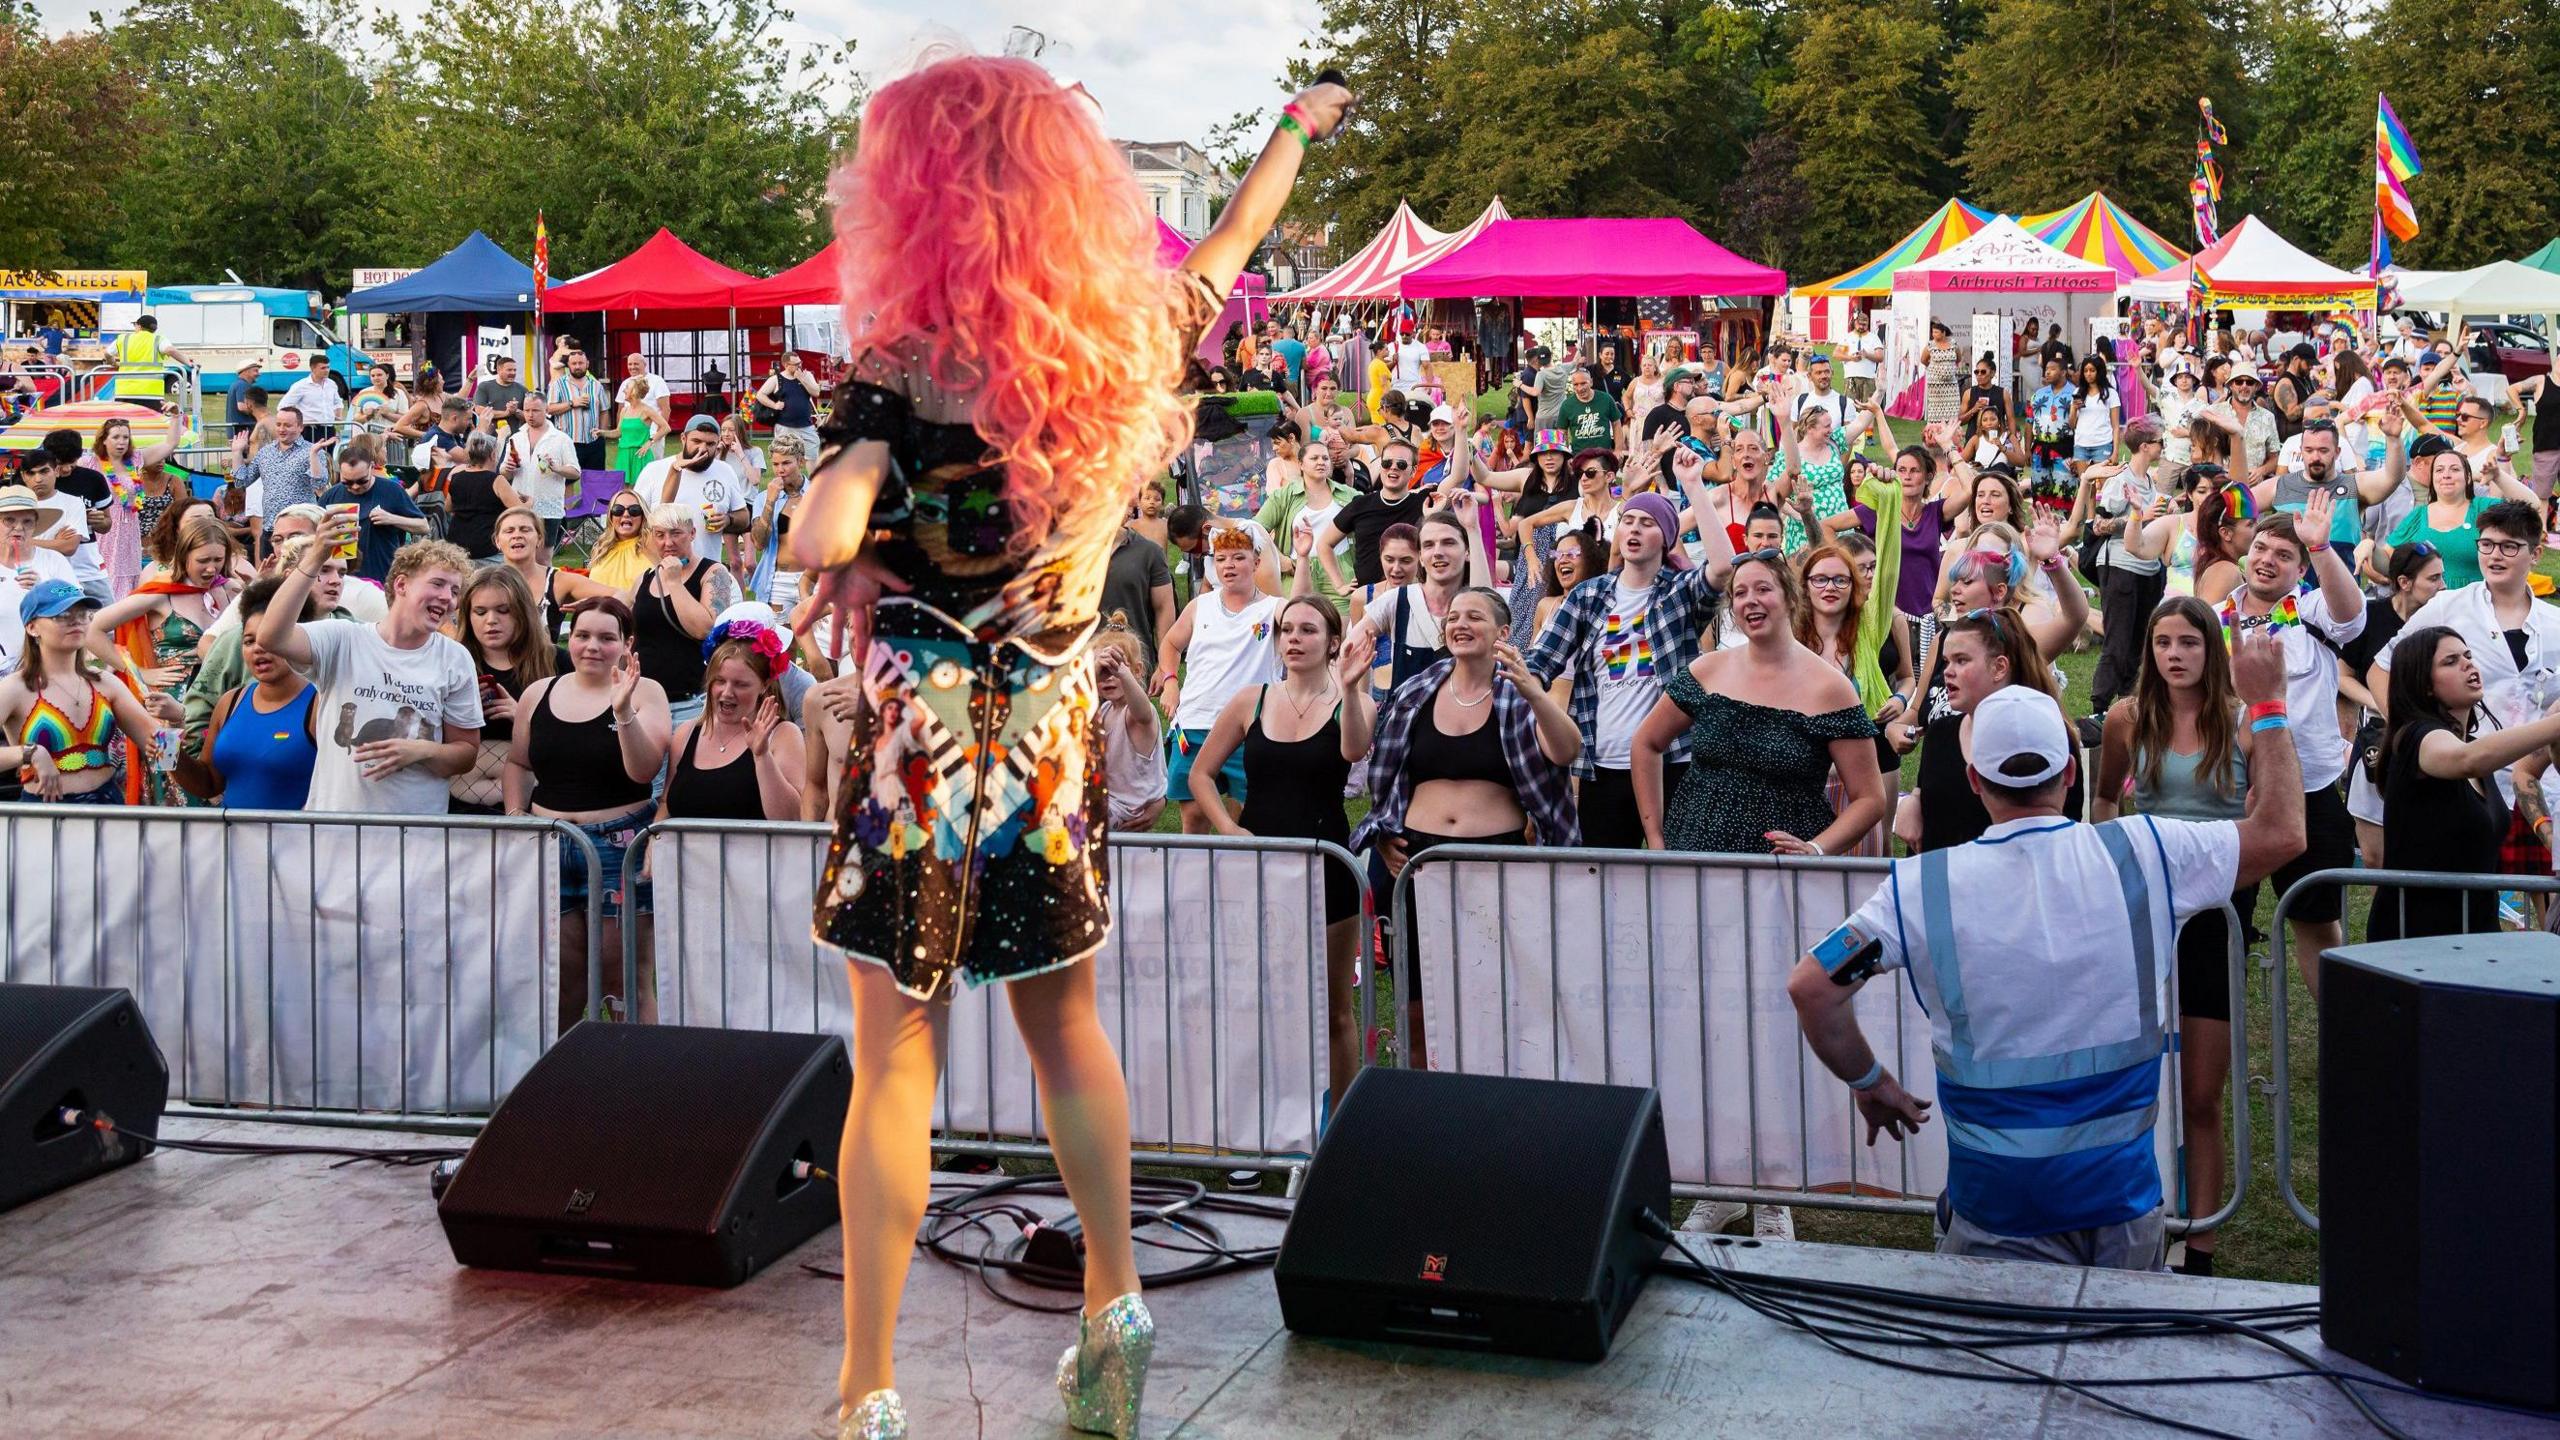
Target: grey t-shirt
1554	384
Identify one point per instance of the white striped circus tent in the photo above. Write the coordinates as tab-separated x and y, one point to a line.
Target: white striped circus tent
1371	274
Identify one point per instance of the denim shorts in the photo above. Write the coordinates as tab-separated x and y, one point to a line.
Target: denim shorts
612	837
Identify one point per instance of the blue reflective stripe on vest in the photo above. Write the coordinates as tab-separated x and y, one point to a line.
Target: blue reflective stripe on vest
2018	1070
1938	926
2137	906
2044	1144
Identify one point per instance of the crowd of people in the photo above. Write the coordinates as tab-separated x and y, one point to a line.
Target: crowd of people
1707	607
1717	613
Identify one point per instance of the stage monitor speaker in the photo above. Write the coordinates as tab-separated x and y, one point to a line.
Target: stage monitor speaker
1477	1212
2439	1109
62	1047
655	1152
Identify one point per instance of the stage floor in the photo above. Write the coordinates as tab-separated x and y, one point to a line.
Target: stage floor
202	1296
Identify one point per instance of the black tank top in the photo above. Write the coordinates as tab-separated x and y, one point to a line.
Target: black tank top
1438	756
577	764
669	654
1294	787
725	793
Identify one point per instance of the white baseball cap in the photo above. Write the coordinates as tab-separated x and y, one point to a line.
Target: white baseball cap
2019	738
1445	415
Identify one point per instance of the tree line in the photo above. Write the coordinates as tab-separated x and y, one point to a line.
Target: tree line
1812	133
293	142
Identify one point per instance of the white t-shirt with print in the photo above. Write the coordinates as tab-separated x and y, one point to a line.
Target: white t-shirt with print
370	691
1629	676
538	469
713	487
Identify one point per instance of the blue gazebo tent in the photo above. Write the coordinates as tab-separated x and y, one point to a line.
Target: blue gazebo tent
474	275
472	284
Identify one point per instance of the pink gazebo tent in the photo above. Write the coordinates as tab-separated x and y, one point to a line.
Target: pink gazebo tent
1245	301
1585	259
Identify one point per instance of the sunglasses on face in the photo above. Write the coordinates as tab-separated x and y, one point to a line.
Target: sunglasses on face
1395	464
1592	472
625	510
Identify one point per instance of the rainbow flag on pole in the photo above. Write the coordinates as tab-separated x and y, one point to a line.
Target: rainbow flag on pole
2395	161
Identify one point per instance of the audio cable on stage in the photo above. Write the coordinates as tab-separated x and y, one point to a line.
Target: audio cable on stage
1860	1321
108	1132
1040	1252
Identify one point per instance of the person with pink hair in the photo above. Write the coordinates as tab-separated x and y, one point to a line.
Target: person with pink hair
1013	384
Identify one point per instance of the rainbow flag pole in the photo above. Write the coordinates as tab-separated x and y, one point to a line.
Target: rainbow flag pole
541	277
2395	163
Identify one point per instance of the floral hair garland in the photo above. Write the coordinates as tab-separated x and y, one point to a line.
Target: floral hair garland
759	637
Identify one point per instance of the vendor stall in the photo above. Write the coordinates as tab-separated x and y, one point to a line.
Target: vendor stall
1984	289
1577	264
1821	312
57	310
475	284
681	311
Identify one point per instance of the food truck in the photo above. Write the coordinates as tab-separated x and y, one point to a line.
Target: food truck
221	327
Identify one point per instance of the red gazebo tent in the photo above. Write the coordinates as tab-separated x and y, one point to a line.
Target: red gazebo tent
811	282
663	274
668	286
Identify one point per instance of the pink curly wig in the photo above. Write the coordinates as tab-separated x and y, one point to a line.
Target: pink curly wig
990	234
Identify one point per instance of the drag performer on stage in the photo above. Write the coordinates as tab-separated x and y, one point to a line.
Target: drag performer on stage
1017	347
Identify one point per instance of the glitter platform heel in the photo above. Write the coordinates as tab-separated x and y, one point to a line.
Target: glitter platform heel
878	1417
1103	1375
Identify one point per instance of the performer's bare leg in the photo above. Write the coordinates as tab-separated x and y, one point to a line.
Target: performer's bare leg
884	1167
1086	1102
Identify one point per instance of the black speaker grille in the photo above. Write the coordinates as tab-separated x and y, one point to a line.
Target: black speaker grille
638	1126
32	1015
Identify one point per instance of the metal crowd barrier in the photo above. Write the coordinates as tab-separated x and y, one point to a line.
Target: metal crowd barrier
2279	944
1531	916
330	968
1212	978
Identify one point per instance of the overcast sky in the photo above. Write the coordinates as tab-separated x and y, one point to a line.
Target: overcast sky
1163	69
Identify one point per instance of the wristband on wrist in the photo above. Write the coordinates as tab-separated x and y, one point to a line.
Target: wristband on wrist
2265	708
2272	722
1869	1081
1290	124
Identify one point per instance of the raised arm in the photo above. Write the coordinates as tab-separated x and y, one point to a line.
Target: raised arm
1255	207
2271	830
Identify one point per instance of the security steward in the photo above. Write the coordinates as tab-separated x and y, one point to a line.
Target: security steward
2042	953
142	375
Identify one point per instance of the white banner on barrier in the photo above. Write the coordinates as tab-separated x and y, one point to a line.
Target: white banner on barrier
1211	985
1672	977
300	965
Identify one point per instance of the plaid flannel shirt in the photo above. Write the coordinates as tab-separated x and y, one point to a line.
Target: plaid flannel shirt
1538	781
1674	618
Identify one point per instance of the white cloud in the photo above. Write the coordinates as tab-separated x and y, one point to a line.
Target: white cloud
1163	69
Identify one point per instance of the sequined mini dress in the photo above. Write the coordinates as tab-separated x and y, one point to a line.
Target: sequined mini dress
969	836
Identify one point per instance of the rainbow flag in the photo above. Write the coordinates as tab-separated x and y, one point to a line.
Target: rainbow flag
2395	162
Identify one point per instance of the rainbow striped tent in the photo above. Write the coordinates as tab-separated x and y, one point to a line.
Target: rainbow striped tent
1953	224
2098	229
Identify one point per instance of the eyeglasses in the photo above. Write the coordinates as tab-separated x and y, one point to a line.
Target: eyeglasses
1827	582
1395	464
2503	549
626	510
